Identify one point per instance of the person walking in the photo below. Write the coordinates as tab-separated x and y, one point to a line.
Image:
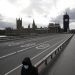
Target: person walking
28	68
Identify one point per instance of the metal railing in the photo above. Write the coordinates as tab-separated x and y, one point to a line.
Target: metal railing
53	53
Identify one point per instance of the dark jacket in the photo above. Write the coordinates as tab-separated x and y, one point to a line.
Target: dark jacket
31	70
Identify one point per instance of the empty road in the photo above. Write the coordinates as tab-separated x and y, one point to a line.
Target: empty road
13	52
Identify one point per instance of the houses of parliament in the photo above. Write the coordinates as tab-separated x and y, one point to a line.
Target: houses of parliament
52	27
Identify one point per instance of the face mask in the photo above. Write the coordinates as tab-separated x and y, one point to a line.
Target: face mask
26	66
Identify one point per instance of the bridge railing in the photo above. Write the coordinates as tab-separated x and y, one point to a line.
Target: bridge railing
47	59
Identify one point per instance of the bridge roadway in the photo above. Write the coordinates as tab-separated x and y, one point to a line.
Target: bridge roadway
13	52
65	63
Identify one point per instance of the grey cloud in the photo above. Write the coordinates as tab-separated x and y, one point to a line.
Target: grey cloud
40	6
6	24
1	17
12	1
35	5
71	13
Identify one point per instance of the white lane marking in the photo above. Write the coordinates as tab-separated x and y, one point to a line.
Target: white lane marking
15	52
13	70
43	46
8	55
47	49
16	43
22	42
31	58
31	39
24	49
28	45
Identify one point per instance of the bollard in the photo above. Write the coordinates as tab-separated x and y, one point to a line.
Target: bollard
58	49
55	53
46	62
51	56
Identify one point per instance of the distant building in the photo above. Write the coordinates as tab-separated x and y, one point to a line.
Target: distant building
41	30
20	31
72	31
53	27
19	24
29	26
34	26
66	23
2	32
9	31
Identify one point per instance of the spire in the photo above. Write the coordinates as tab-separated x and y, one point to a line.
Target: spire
34	25
29	26
33	22
66	13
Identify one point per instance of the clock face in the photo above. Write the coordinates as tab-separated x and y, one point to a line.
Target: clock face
66	19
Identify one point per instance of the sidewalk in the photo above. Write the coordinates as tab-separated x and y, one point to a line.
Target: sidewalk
65	63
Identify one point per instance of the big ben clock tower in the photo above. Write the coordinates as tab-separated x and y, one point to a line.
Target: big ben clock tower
66	22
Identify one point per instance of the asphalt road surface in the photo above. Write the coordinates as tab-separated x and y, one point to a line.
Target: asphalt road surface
13	52
65	64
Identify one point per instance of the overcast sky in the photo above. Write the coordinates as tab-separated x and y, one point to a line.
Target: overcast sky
42	11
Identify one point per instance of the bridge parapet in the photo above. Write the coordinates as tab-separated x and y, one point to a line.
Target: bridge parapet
48	58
